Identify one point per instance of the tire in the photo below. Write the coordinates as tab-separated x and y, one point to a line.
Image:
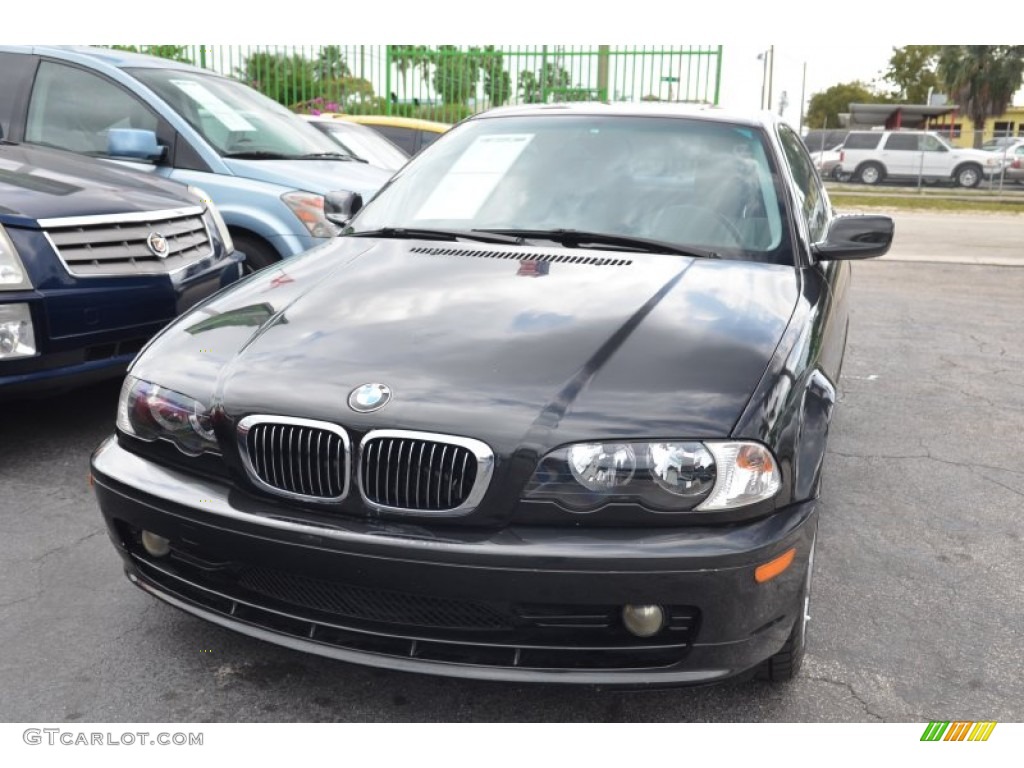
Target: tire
968	176
785	665
258	253
870	174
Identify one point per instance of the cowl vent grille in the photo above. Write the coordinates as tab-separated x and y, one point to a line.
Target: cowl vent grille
551	258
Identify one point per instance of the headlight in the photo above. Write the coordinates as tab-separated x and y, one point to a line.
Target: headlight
310	210
17	336
150	413
661	476
13	276
218	220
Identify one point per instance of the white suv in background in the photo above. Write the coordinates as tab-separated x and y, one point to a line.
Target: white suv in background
873	156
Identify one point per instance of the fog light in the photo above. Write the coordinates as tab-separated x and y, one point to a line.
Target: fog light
17	336
643	620
157	546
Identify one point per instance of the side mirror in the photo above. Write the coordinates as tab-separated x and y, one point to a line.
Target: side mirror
856	237
340	207
133	143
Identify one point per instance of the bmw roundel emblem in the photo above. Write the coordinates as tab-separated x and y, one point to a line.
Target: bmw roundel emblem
369	397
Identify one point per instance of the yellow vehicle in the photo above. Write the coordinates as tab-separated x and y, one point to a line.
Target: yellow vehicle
409	133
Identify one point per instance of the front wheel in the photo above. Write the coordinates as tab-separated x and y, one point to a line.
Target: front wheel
968	176
258	253
785	664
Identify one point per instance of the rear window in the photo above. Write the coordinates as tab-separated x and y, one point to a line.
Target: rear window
862	141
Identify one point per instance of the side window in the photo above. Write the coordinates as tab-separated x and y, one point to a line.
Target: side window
17	74
930	143
862	141
902	141
73	109
812	202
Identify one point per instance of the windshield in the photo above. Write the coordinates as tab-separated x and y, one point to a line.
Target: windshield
366	144
687	182
234	118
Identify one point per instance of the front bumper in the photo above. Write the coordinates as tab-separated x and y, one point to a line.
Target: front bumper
86	334
526	604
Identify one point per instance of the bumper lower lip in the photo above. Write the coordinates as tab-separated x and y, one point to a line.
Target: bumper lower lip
739	623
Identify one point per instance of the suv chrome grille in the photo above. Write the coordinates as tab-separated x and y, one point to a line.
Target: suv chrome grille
423	472
299	458
118	245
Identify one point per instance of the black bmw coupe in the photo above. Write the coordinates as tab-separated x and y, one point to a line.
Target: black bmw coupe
553	408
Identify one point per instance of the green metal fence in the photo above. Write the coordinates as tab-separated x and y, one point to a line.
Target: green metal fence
448	82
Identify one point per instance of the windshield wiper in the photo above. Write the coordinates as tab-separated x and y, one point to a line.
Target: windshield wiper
258	154
325	156
573	238
439	234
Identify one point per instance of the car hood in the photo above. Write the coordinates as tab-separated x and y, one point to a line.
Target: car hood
38	183
488	342
320	176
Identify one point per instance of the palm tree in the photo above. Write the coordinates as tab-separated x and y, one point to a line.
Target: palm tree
406	57
981	79
331	64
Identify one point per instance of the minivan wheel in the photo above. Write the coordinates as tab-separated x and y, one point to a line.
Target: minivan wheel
968	176
870	173
258	254
785	664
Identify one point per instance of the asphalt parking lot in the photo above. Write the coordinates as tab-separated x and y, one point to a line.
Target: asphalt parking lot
917	608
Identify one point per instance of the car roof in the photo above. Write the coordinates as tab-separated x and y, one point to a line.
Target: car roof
109	56
708	112
395	120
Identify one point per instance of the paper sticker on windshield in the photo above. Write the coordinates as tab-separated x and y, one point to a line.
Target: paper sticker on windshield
216	106
474	176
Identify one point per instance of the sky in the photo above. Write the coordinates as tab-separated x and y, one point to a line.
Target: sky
837	44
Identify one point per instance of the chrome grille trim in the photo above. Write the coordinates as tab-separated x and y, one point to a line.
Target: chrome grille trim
286	456
94	246
384	489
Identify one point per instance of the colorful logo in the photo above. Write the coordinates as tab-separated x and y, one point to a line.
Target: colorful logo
958	731
369	397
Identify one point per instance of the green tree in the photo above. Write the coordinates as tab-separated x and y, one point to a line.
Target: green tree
287	79
912	71
981	79
497	84
824	108
456	73
331	64
407	58
535	87
172	52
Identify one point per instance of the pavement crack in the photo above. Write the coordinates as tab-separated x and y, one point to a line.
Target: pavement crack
34	596
853	693
1010	488
137	624
63	547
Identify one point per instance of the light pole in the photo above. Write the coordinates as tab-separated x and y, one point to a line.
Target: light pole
803	92
767	70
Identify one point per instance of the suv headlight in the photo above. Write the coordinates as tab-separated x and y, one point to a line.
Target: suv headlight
218	220
309	209
13	276
150	413
663	476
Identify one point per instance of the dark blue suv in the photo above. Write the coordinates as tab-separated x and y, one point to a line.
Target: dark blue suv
94	260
